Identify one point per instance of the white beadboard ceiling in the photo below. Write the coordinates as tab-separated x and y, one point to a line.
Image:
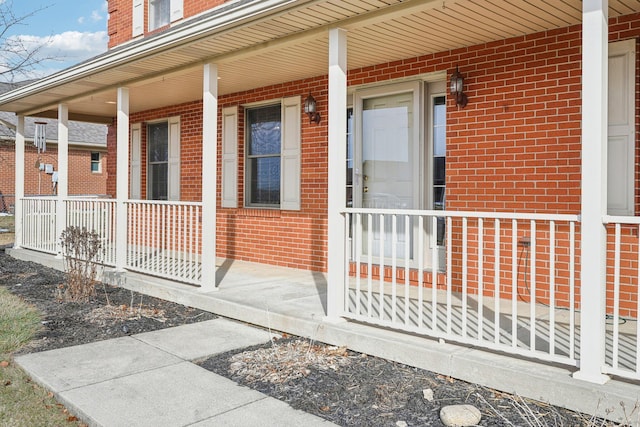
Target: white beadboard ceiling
291	43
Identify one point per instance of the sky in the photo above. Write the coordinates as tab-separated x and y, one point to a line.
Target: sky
72	30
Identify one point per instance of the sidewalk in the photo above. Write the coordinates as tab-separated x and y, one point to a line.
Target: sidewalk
149	380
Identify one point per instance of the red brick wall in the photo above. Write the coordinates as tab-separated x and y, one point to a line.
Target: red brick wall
81	180
514	148
120	24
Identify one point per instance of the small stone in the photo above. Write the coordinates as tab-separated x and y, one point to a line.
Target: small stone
125	329
401	423
427	394
460	415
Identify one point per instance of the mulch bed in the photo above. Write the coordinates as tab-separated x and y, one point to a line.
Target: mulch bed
347	388
70	323
353	389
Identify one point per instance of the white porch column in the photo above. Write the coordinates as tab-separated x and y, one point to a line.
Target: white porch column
209	178
63	171
336	238
593	241
19	183
122	176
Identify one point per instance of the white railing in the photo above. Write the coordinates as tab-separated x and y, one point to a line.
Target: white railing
165	239
623	304
39	224
98	216
502	281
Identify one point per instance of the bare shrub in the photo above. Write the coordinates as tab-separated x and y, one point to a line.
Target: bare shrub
82	253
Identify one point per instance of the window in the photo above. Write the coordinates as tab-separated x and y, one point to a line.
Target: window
163	160
264	135
159	13
349	157
272	155
158	137
439	161
95	162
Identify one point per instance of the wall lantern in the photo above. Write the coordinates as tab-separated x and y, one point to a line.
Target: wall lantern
310	109
457	88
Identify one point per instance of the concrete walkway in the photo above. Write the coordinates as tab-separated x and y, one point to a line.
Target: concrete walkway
294	301
149	380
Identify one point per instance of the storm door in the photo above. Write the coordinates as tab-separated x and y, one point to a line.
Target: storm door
388	147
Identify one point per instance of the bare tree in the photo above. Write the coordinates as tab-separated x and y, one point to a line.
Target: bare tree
19	56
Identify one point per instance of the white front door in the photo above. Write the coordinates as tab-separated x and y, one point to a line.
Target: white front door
389	155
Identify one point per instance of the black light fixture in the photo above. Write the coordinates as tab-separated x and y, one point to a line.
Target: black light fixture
457	88
310	109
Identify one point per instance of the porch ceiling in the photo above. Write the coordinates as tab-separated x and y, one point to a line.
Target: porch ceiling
285	43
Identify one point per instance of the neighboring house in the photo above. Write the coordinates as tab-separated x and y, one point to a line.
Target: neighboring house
446	163
87	158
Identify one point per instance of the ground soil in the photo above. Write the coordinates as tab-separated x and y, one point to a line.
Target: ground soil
70	323
347	388
353	389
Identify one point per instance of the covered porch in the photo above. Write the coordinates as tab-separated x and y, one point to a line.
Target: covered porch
515	288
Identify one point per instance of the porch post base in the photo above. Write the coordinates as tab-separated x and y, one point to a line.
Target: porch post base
204	288
333	320
592	378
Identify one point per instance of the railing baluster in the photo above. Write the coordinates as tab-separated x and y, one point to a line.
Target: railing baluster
369	261
552	287
496	281
394	261
435	260
420	271
480	279
358	249
514	283
465	272
449	284
381	268
407	257
533	287
616	296
572	291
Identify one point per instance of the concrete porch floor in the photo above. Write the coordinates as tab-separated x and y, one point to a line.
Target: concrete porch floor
294	301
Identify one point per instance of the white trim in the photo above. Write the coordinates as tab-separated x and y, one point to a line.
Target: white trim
209	175
137	18
19	183
232	18
621	135
593	240
122	177
290	154
229	157
135	190
336	191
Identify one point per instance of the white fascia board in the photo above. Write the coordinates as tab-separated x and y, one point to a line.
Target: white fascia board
186	33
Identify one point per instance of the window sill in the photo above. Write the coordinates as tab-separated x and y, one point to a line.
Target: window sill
259	213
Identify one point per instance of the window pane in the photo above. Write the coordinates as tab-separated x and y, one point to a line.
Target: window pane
158	142
439	127
264	130
159	13
159	181
439	171
265	180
